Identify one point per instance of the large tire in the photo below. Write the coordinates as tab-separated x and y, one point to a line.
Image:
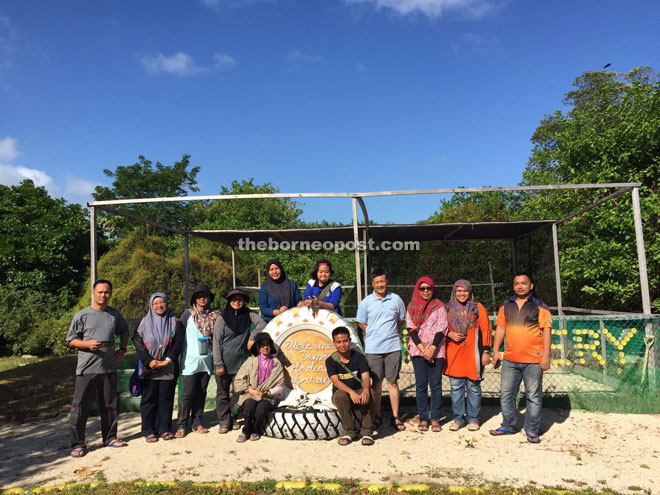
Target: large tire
309	424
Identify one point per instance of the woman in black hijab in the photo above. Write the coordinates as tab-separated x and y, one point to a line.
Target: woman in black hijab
231	348
278	293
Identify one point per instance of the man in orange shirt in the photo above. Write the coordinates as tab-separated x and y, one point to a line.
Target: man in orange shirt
527	324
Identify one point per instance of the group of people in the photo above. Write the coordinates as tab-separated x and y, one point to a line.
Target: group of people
452	339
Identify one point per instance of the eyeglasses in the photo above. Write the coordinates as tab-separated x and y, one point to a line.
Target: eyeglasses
425	289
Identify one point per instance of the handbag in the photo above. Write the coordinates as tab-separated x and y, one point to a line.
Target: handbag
135	383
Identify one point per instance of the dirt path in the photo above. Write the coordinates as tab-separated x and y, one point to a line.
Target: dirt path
620	452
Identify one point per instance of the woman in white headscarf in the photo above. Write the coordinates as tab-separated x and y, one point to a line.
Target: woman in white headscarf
158	342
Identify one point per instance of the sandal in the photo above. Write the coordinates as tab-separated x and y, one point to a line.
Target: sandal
236	426
201	429
532	438
79	452
423	426
397	423
367	440
455	426
167	436
501	431
116	444
223	429
180	433
344	441
242	437
254	437
151	438
473	427
435	426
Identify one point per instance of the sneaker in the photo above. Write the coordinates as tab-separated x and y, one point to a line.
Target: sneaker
473	427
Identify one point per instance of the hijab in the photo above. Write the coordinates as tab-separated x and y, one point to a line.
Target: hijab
419	309
204	319
281	288
157	330
239	321
462	317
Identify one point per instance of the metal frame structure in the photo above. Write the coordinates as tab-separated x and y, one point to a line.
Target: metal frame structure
357	200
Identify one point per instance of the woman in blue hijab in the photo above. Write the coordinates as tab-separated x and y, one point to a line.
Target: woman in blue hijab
158	342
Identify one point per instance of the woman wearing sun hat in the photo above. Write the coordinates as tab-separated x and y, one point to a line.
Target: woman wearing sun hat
196	359
231	348
260	379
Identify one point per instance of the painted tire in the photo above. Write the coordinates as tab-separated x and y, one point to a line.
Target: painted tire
310	424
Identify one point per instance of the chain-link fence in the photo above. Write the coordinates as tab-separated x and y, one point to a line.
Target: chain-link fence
601	363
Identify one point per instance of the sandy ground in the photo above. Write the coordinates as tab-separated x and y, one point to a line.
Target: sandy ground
578	450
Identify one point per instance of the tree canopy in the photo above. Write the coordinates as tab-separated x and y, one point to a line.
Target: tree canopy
144	180
43	260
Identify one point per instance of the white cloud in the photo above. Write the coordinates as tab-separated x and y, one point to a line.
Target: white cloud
180	64
222	60
11	175
433	9
297	57
75	186
8	149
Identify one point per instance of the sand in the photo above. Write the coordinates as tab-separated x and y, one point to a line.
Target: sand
578	450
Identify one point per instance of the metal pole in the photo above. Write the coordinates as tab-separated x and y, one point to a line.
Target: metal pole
366	262
641	253
233	268
644	286
603	348
92	243
555	246
514	263
356	238
186	276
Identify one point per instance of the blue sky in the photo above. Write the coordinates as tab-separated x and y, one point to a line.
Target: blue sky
313	96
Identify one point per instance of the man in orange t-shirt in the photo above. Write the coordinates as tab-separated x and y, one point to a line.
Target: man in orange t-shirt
526	323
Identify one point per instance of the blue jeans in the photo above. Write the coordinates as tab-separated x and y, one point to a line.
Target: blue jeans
427	374
458	386
532	375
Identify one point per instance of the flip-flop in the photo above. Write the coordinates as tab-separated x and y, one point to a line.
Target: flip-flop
117	444
201	429
223	429
151	438
532	438
242	437
344	441
436	426
367	440
423	426
473	427
167	436
180	433
254	437
79	452
501	431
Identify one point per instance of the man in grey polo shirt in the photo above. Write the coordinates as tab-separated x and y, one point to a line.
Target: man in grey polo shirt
381	315
93	332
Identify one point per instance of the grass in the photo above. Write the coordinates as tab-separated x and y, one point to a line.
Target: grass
268	487
41	386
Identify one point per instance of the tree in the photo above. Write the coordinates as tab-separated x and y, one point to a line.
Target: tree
611	133
143	180
43	261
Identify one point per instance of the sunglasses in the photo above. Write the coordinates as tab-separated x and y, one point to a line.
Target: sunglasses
426	289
